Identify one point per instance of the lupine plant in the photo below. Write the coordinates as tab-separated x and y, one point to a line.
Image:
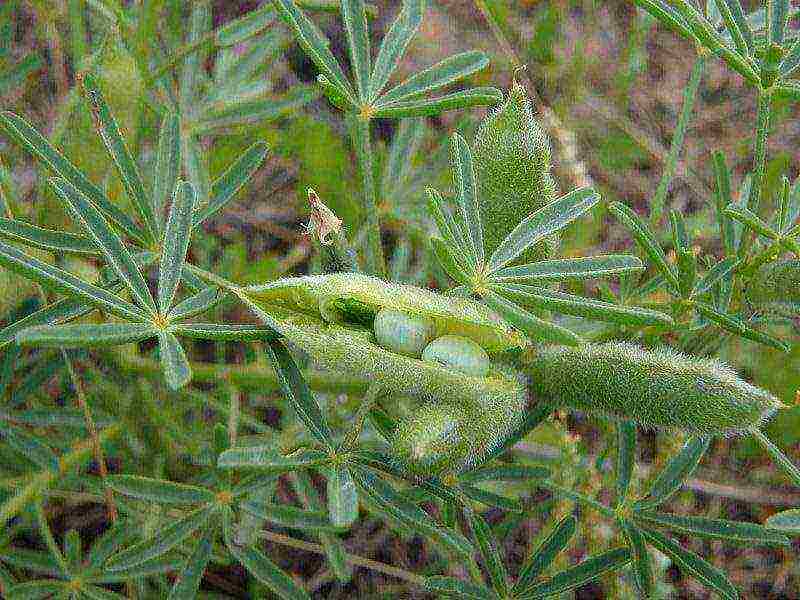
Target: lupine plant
395	402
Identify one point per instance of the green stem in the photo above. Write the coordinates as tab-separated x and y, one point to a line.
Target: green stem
360	135
689	96
759	162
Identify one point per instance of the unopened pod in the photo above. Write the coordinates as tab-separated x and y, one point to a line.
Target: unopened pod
659	388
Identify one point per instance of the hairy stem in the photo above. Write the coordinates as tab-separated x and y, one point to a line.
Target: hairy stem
689	96
360	135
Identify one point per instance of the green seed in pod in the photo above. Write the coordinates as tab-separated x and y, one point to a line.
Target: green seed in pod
459	354
512	168
656	388
403	333
775	289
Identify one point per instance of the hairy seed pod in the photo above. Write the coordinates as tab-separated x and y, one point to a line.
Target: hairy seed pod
402	333
512	166
313	313
656	388
459	354
775	289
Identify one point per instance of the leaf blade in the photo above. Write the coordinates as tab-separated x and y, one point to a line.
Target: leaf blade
175	245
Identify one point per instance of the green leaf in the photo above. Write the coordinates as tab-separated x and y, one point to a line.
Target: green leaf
751	220
505	473
580	574
481	96
739	327
446	257
450	230
188	581
30	446
255	112
242	29
529	324
267	457
667	15
544	222
791	61
693	564
715	274
195	164
787	521
163	564
491	499
720	529
394	45
116	536
225	333
390	502
742	23
342	497
570	269
260	567
296	390
46	239
197	304
728	10
487	544
93	592
289	516
168	164
159	491
778	13
539	298
437	76
175	244
626	458
784	462
64	282
109	243
678	470
35	590
165	540
315	45
21	131
123	160
77	336
355	25
466	184
642	563
723	199
450	586
544	555
231	181
646	240
174	363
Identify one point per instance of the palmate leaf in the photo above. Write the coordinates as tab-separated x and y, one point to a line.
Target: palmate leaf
539	298
542	223
456	588
168	164
257	111
267	457
175	244
159	491
585	571
394	45
467	187
450	229
731	531
316	46
355	25
260	566
289	516
739	327
488	547
696	566
441	74
77	336
190	576
490	499
569	269
174	363
63	282
231	181
224	333
22	132
544	554
114	251
342	497
166	539
446	255
642	563
528	323
197	304
481	96
123	159
46	239
678	470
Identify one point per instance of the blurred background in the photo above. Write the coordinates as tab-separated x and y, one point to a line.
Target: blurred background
608	83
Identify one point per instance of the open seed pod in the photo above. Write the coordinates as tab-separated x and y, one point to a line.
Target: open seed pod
328	317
